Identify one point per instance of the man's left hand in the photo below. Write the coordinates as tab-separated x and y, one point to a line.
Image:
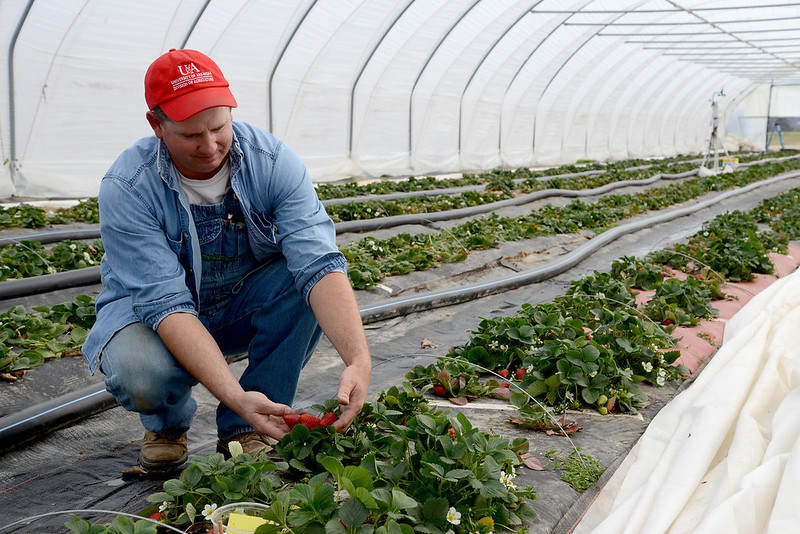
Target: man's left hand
353	384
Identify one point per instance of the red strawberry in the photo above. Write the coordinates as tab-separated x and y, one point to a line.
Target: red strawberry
291	419
309	421
503	372
452	432
327	419
155	515
520	373
439	390
505	385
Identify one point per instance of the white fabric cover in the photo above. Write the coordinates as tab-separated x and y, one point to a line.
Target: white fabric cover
386	87
724	455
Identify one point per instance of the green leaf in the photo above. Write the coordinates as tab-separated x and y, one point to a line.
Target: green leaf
590	353
333	526
457	474
352	513
191	512
536	389
434	510
401	501
359	476
123	525
363	495
175	487
333	466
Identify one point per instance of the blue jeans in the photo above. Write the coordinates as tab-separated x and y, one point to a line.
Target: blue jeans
246	308
267	317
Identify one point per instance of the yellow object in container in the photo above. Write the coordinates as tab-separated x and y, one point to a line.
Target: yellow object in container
243	522
238	518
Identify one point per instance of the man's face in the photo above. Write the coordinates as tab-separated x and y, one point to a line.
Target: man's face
199	145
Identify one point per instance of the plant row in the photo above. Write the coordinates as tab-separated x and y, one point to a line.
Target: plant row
26	216
371	259
499	187
428	183
28	340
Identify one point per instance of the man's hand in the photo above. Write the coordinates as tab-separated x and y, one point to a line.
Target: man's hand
353	384
265	416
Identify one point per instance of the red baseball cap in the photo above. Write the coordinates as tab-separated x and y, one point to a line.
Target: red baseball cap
185	82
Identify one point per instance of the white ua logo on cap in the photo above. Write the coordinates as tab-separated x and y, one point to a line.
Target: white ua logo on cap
185	70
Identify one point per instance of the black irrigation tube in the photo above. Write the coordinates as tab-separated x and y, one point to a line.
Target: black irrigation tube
21	287
39	420
52	237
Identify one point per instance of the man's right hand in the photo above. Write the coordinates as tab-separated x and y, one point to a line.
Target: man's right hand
265	416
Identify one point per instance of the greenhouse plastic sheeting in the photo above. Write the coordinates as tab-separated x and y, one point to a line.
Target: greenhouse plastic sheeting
391	87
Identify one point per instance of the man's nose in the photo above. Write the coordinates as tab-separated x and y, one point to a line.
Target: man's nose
207	144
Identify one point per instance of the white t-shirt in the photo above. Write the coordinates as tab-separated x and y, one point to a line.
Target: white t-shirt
210	191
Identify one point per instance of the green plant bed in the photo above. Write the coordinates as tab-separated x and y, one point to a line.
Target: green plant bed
370	259
26	216
431	473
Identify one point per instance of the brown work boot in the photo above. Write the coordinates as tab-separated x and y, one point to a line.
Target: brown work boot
252	443
160	453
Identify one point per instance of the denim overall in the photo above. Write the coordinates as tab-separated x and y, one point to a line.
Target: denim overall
245	306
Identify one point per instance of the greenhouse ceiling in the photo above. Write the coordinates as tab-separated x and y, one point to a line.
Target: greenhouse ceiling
398	87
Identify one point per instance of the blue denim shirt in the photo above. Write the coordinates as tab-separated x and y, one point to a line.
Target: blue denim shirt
152	266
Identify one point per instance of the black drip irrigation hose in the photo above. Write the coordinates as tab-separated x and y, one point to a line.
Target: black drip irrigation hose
37	421
53	237
21	287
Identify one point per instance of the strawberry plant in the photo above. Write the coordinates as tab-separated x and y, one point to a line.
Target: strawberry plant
436	472
120	525
681	302
69	255
30	258
28	340
449	378
23	260
636	273
213	480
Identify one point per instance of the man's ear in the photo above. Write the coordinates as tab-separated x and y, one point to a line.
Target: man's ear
155	124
